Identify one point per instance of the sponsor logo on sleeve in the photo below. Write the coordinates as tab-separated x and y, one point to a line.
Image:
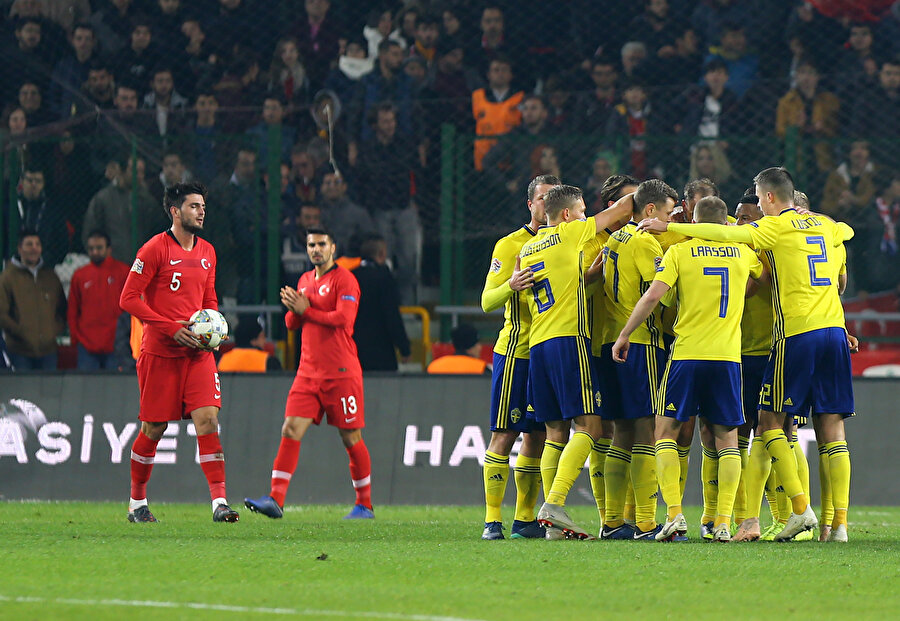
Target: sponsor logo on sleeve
349	298
137	267
496	264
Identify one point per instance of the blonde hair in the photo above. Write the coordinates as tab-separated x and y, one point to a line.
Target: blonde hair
720	161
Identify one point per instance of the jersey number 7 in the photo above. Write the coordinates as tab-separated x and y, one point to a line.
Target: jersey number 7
721	272
541	285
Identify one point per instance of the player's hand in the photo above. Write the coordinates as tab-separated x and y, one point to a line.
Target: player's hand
521	279
595	271
620	350
291	298
853	342
185	337
653	225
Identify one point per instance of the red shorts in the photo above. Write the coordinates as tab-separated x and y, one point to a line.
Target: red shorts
340	399
172	388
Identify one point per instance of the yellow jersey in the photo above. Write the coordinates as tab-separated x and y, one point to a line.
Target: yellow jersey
631	262
598	319
557	303
757	322
710	280
512	341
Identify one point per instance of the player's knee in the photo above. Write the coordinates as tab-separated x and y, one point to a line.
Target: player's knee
154	431
350	437
502	442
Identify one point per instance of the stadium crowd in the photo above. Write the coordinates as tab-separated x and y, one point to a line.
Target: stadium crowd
106	103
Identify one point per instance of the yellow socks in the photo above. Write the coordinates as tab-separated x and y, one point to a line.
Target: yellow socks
740	498
615	474
709	470
643	476
684	453
628	512
759	465
729	477
570	463
827	513
598	485
528	486
802	464
839	465
785	465
549	464
496	472
772	497
668	471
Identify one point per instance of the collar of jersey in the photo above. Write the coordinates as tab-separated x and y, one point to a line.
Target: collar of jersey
632	222
784	211
175	239
528	228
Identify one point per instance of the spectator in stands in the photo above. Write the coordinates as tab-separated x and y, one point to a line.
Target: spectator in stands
294	258
303	174
94	305
710	15
605	164
655	29
110	210
450	23
62	13
36	212
743	65
241	23
238	88
492	44
709	110
814	114
427	35
136	60
387	83
634	56
708	161
466	351
205	136
851	186
874	248
495	108
876	114
249	354
317	34
544	161
380	26
683	64
167	17
72	71
71	176
450	86
560	105
112	132
32	103
508	163
857	66
32	307
594	108
627	128
379	331
341	217
272	120
98	92
173	171
25	58
385	169
287	75
198	63
168	104
352	66
112	23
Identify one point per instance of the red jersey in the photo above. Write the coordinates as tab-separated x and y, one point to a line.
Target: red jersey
94	304
327	349
174	283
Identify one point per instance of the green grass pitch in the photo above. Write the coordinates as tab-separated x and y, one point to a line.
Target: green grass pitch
84	561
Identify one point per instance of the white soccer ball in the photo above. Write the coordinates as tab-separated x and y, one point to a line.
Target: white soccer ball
210	327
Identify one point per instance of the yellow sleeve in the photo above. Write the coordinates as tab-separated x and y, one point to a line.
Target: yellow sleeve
756	267
496	285
844	232
716	232
667	272
578	232
647	255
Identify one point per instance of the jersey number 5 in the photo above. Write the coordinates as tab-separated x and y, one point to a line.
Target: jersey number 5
722	273
541	285
817	240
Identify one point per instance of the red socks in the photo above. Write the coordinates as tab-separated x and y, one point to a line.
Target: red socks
283	468
212	460
142	453
360	473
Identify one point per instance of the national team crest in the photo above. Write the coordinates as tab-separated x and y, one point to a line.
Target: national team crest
598	398
516	415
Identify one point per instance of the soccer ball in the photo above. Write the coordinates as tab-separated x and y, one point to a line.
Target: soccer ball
210	327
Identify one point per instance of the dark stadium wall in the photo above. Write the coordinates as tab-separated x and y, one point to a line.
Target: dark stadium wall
68	437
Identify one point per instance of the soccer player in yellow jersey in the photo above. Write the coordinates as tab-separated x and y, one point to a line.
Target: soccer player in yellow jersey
506	287
703	373
614	188
630	395
562	381
809	366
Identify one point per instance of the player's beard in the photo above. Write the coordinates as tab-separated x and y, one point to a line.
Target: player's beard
188	227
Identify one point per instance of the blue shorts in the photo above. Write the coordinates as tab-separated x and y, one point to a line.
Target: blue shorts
632	387
708	388
809	371
753	369
562	381
509	394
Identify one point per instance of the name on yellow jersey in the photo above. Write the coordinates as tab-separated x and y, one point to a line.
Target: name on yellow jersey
722	252
806	223
531	249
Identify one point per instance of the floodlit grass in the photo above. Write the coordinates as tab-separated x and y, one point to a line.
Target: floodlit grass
84	561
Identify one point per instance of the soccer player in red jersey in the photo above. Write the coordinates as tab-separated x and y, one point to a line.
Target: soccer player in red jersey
173	276
329	380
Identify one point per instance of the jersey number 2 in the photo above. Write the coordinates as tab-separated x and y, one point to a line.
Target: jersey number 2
815	281
722	273
542	285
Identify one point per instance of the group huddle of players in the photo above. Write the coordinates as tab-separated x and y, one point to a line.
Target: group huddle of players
629	325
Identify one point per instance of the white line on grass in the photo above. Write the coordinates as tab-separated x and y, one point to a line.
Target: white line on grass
303	612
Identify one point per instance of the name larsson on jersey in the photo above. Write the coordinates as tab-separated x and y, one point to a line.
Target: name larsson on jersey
722	252
530	249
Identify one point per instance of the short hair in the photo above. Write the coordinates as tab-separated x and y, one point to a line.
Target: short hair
611	190
778	181
374	111
387	44
715	64
174	196
654	191
503	59
800	199
247	329
541	180
99	64
711	209
84	26
30	19
100	233
694	185
27	231
464	336
32	167
318	230
537	97
161	68
559	198
127	85
368	247
427	19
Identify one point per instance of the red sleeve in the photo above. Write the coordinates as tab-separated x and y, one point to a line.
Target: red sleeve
74	307
139	278
210	299
344	314
292	320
